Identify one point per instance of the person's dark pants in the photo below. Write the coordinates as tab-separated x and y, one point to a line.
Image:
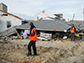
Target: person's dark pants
73	36
32	43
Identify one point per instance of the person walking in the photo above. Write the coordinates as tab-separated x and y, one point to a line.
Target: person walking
73	31
33	39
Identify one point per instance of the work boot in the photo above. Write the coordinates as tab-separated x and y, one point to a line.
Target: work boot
36	54
28	54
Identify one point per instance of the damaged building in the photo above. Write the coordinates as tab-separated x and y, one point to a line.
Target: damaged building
47	23
46	26
8	20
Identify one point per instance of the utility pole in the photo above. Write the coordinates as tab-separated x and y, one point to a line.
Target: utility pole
73	16
83	12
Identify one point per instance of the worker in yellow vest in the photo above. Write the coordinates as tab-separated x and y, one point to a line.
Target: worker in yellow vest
33	39
73	31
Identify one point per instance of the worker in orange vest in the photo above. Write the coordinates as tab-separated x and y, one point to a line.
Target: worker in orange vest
73	31
33	39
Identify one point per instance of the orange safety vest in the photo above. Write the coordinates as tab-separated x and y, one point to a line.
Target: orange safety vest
72	30
33	38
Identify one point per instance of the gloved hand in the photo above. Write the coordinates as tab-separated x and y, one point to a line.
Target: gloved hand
28	34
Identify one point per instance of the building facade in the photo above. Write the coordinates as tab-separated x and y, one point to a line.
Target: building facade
44	15
3	7
7	20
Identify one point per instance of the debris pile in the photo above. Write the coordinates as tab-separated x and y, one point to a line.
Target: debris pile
48	52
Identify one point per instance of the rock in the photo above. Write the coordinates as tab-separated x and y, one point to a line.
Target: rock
25	46
16	46
56	49
21	46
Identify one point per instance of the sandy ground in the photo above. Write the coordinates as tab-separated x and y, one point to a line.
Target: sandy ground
14	51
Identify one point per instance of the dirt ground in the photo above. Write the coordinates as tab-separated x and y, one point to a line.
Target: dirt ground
14	51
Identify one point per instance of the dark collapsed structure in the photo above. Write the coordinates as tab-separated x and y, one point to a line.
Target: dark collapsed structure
46	25
55	26
49	26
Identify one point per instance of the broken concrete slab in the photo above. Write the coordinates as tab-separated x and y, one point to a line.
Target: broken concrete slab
8	32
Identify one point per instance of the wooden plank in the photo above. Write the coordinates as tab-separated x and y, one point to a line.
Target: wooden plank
18	36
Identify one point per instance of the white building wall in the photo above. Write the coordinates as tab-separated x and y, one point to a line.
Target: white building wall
2	25
3	7
3	22
44	15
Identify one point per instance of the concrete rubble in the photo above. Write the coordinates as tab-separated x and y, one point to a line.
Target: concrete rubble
8	32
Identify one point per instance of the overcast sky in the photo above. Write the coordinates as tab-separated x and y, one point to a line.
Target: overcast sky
27	9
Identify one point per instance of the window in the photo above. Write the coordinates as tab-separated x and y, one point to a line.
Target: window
8	24
5	15
43	11
37	17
